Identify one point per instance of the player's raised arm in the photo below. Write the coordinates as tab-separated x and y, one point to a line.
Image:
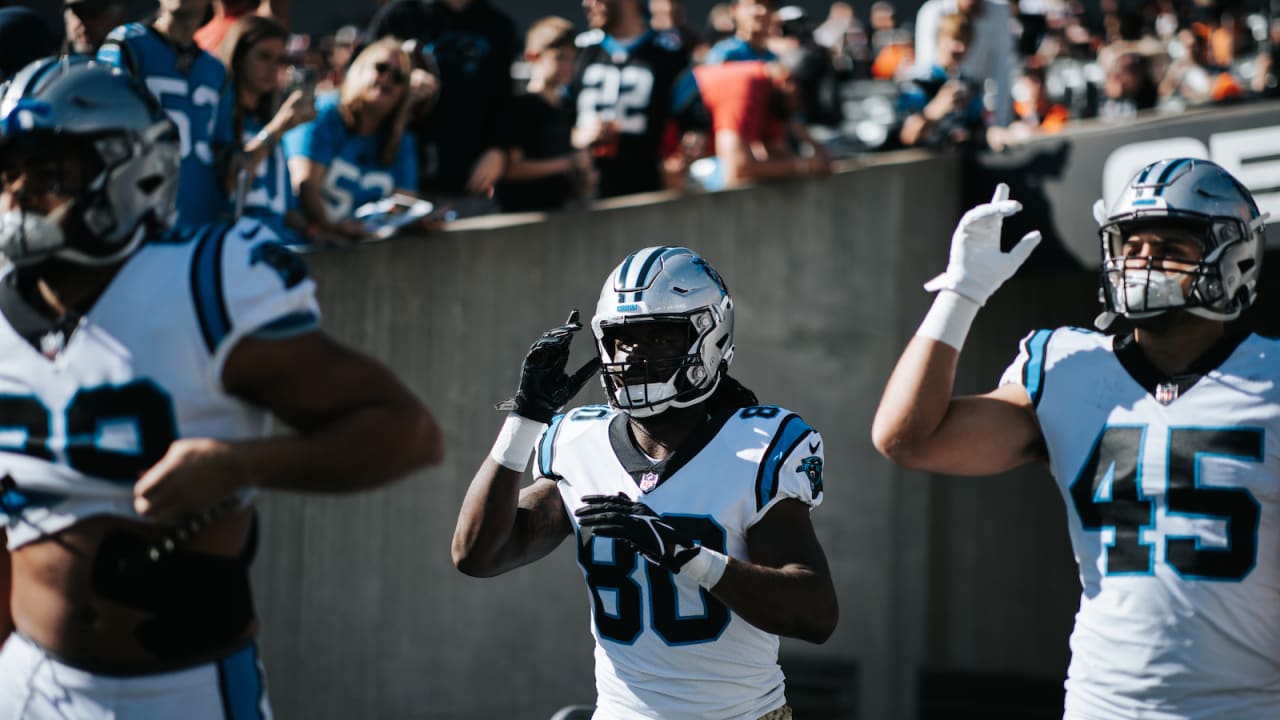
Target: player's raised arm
501	527
919	424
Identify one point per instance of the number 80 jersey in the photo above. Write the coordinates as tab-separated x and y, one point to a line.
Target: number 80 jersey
665	647
1172	488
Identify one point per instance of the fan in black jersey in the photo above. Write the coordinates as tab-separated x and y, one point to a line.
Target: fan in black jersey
1164	441
139	367
687	500
632	89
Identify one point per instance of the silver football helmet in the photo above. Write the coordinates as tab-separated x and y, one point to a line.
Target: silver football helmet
667	285
74	104
1201	197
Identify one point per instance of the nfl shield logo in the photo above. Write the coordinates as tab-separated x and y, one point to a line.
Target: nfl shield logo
648	482
1166	393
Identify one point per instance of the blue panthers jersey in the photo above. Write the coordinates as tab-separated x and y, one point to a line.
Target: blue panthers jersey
198	100
270	194
732	49
354	175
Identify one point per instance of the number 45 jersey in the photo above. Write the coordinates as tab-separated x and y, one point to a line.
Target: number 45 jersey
80	423
665	647
1172	488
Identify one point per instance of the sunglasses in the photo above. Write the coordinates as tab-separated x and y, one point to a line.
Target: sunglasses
397	75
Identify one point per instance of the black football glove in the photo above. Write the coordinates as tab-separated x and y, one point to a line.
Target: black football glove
544	386
617	516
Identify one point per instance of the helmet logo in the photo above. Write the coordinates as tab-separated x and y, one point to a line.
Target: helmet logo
27	115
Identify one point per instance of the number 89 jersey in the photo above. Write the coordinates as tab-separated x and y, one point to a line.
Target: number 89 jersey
665	647
1172	488
142	369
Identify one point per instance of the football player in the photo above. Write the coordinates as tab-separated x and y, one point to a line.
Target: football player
631	83
1164	441
687	500
192	86
139	367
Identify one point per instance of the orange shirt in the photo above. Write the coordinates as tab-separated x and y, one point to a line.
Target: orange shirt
737	96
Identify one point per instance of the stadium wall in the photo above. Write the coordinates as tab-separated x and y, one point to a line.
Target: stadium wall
363	614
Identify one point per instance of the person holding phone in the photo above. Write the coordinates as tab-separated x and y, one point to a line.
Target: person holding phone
253	51
941	108
357	150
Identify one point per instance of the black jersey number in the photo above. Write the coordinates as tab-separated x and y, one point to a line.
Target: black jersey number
617	93
1117	454
139	413
626	623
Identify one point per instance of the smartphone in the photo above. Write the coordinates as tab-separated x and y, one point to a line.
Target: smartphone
301	78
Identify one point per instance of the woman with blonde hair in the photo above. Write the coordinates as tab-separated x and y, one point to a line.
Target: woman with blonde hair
357	150
254	52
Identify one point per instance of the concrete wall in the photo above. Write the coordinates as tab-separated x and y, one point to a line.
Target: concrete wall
363	613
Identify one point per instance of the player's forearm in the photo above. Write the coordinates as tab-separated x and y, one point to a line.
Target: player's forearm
367	447
793	600
915	400
501	527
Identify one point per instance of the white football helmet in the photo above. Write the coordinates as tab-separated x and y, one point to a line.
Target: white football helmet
57	106
667	285
1205	199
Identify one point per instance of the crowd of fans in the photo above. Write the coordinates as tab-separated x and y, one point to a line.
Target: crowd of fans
444	100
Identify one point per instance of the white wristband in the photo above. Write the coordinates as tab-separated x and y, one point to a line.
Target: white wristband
949	319
515	442
706	568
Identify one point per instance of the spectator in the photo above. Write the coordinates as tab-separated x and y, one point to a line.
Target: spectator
1266	76
669	16
896	58
463	143
24	38
1035	111
944	108
345	43
1189	80
357	150
225	14
87	23
192	87
753	20
991	52
630	83
253	51
720	24
812	70
751	103
546	172
1130	88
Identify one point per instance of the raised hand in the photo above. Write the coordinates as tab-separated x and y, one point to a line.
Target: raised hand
544	386
618	516
977	266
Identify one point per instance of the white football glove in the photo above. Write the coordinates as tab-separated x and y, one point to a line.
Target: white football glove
977	267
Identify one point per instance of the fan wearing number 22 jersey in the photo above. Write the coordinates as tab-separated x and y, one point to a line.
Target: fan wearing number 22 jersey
1173	501
663	642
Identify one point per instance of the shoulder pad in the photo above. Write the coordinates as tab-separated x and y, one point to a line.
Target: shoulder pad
589	38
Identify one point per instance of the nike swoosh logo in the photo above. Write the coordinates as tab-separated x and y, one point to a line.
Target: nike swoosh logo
813	447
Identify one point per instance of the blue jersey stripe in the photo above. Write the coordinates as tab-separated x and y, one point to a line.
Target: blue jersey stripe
1033	371
546	452
790	433
206	286
241	686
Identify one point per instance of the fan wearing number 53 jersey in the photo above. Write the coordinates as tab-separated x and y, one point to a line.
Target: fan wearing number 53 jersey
192	87
688	502
1164	441
139	367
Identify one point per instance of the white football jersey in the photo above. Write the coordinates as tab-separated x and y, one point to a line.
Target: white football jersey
1172	488
665	647
143	368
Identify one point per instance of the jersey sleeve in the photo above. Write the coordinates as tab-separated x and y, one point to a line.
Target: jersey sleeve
1028	367
791	468
247	283
317	140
